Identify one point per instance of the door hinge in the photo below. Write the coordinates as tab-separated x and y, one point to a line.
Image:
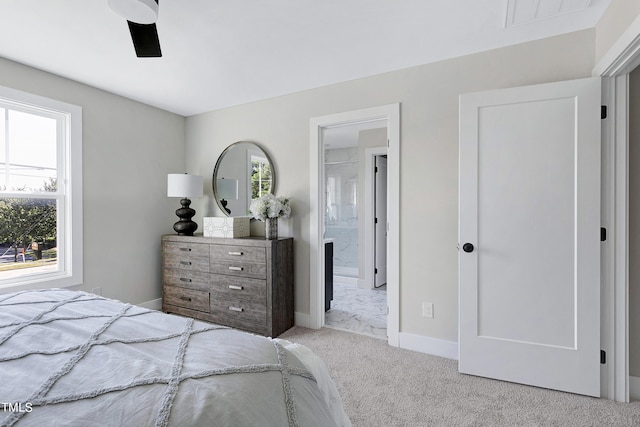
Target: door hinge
603	111
603	234
603	357
376	221
376	169
376	271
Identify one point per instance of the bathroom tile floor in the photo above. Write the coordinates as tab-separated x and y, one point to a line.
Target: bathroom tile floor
357	310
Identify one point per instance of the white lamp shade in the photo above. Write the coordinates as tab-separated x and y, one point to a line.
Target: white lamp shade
139	11
184	185
227	189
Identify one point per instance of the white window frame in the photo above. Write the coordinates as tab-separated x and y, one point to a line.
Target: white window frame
69	195
255	155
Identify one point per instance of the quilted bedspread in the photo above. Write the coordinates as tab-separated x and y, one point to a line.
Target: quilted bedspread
71	358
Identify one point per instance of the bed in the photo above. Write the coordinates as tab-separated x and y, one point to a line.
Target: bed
70	358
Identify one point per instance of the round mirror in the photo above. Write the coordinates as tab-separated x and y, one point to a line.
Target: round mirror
243	172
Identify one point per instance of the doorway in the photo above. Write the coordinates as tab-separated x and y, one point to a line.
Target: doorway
615	66
355	298
319	126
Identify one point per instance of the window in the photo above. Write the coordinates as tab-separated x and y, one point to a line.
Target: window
40	191
260	174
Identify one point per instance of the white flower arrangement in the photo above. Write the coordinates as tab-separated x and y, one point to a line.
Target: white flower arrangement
270	206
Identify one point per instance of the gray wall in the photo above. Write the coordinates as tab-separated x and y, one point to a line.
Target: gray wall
428	156
128	150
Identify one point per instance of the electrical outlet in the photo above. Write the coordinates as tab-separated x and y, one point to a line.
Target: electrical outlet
97	291
427	309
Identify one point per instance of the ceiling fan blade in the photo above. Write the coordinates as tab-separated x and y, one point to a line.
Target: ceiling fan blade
145	40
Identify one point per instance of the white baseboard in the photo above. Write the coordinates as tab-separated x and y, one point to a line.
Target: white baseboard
302	319
634	388
345	271
345	279
433	346
155	304
427	345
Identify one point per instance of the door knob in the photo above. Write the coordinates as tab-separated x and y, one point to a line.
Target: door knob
467	247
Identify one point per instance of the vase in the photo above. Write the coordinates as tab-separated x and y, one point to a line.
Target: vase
271	228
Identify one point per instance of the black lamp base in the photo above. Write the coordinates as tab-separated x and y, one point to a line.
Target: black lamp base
223	202
185	227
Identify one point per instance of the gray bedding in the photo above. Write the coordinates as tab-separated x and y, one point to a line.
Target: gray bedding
76	359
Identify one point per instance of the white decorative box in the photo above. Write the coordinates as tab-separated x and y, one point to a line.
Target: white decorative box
229	227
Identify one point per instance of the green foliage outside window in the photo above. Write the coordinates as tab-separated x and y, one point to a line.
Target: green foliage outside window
260	178
27	220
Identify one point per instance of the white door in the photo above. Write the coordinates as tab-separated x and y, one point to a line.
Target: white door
381	221
529	288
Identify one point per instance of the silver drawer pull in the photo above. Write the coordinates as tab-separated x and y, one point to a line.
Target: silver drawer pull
238	309
236	287
236	253
184	279
185	249
235	268
185	262
185	299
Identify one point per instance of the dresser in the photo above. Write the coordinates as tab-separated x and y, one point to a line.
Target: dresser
245	283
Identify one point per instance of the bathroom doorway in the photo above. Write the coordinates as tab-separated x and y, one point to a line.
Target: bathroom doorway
355	187
318	127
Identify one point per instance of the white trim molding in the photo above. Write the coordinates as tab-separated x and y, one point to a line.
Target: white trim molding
302	319
619	189
154	304
391	113
427	345
622	58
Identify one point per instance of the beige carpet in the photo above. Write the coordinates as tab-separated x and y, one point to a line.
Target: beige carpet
387	386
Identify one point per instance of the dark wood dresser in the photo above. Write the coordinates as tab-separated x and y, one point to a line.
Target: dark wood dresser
245	283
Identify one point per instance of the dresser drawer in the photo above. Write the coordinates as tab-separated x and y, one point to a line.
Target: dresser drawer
185	278
188	256
237	313
187	298
239	288
239	269
237	253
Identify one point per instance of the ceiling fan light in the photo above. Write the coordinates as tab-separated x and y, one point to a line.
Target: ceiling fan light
138	11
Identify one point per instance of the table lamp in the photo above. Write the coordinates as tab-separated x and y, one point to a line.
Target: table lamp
184	186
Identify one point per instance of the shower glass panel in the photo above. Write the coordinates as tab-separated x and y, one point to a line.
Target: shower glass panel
341	211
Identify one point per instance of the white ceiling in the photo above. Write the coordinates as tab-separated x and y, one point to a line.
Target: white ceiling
220	53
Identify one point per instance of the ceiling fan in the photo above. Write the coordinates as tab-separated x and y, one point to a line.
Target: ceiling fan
141	16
